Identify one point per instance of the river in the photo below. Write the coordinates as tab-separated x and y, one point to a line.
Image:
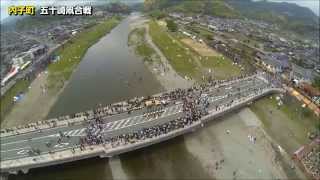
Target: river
109	72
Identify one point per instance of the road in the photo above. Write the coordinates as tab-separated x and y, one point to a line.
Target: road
15	147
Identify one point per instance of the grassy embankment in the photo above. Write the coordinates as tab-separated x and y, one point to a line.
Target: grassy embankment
188	62
288	124
174	51
137	40
222	67
70	54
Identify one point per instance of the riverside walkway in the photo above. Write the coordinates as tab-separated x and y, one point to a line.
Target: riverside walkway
62	140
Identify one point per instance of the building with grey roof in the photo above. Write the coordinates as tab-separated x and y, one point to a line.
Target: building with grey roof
274	62
304	73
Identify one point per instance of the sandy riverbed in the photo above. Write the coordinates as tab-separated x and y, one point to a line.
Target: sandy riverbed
35	104
209	153
232	155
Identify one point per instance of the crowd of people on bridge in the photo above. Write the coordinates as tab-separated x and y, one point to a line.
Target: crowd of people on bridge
193	109
92	133
190	97
135	103
195	105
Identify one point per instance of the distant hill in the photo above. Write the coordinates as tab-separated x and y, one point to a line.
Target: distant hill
27	22
118	7
288	15
215	8
9	23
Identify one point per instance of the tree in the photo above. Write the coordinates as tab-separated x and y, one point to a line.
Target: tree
316	82
150	5
209	36
157	14
171	25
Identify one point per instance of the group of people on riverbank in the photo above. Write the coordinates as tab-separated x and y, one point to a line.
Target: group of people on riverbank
312	161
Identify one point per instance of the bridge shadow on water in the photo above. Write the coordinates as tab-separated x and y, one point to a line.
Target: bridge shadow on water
89	169
166	160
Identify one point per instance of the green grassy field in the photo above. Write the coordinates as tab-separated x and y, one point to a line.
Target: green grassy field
289	124
222	67
180	58
7	100
72	52
142	48
186	61
145	51
136	36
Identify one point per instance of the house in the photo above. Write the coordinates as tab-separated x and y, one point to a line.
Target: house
303	73
212	27
37	50
274	62
176	15
22	58
98	13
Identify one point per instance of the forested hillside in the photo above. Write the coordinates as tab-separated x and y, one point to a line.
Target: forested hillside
288	15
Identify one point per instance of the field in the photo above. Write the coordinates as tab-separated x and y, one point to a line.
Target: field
178	55
222	67
288	124
201	48
190	58
72	52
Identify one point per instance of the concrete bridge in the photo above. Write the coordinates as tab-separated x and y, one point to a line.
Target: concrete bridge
18	144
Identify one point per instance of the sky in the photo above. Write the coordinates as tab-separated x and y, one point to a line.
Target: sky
311	4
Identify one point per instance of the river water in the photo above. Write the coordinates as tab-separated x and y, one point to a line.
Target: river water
108	73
